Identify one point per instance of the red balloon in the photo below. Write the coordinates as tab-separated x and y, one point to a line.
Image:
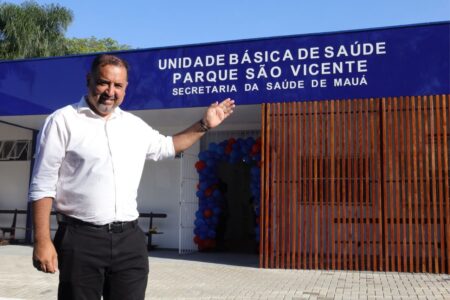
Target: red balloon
200	165
256	148
201	245
209	243
208	213
208	192
231	141
228	148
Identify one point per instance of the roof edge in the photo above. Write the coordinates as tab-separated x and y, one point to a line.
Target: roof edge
234	41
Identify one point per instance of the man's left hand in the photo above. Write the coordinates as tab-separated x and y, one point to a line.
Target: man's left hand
217	112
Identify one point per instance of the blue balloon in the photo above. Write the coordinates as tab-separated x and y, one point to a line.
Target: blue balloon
212	147
255	171
198	214
203	185
217	210
199	222
211	234
254	185
210	162
203	228
203	155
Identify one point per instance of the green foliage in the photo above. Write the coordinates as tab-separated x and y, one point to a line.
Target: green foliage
33	30
92	44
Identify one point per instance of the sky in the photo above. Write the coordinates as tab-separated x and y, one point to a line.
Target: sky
152	23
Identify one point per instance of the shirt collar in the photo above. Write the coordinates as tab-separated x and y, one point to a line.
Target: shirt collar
83	107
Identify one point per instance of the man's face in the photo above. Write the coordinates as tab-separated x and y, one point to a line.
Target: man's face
106	89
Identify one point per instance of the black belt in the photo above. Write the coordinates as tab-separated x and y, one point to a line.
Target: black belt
114	227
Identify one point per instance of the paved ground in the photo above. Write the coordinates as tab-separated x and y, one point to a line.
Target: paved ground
228	276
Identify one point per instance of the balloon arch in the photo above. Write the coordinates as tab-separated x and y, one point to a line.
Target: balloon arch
209	192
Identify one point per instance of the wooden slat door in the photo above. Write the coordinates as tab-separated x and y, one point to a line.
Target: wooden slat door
358	184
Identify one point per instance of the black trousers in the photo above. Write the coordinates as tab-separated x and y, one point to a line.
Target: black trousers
94	262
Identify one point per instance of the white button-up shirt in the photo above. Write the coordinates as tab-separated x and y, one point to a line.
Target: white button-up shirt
92	166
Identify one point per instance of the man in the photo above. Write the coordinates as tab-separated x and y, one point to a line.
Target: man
89	161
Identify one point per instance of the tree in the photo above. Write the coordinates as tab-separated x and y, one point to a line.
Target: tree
92	44
33	30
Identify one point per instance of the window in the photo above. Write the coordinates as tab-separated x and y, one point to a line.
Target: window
15	150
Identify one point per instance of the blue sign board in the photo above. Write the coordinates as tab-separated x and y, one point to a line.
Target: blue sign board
399	61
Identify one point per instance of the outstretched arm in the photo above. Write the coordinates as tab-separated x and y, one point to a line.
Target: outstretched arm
214	116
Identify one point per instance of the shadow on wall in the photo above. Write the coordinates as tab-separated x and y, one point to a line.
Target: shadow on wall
223	258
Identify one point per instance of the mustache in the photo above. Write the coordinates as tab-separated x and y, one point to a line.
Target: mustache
104	97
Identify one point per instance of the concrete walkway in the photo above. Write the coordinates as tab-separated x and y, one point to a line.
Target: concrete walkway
230	276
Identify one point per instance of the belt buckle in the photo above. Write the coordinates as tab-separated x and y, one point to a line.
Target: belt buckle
115	227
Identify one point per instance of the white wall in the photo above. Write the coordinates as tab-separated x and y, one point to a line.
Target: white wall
159	192
14	178
14	184
9	132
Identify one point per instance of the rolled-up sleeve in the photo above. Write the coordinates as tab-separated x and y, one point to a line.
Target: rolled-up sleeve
50	152
160	146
